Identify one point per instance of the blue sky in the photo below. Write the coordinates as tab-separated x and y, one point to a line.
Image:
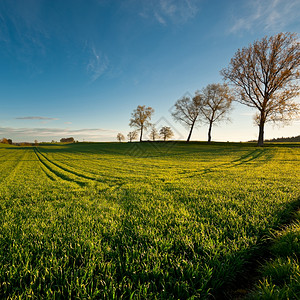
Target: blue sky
79	67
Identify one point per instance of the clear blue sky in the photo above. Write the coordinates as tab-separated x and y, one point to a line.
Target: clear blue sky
79	67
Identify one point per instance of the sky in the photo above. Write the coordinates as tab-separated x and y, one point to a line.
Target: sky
80	67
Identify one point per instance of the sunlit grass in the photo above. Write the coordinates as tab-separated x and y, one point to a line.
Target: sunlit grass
112	221
281	274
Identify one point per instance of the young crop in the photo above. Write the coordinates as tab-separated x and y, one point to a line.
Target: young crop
95	221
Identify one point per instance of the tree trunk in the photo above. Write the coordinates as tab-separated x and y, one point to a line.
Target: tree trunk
260	142
190	134
209	131
141	135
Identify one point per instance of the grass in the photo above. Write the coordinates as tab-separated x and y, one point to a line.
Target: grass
280	276
138	220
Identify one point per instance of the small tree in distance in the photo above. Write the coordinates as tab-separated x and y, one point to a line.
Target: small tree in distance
166	132
215	104
153	134
4	141
266	75
140	118
187	111
132	135
120	137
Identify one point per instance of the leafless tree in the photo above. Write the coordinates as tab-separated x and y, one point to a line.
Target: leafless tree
166	132
153	134
140	118
266	76
187	112
215	104
132	135
120	137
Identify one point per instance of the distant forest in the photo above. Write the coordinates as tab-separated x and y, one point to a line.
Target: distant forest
287	139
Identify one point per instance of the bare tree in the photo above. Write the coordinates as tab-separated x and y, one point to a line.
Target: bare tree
140	118
166	132
217	99
187	112
120	137
265	75
132	135
153	134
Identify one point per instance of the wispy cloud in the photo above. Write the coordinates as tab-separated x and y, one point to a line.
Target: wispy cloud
170	11
57	133
159	18
269	15
23	30
36	118
98	63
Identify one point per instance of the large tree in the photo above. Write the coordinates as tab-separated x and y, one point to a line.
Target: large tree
140	118
187	112
265	75
215	105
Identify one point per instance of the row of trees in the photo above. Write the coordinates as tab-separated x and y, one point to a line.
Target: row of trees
264	76
211	105
165	133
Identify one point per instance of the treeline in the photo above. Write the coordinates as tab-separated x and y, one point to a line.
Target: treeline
292	139
10	142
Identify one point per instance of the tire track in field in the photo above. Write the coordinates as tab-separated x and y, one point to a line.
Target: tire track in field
66	169
74	173
54	174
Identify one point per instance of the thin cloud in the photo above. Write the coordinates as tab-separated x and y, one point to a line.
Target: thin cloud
51	133
98	63
170	11
160	19
270	15
37	118
247	114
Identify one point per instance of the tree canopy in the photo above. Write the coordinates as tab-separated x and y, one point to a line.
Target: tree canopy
215	104
265	75
166	132
187	112
120	137
140	118
132	135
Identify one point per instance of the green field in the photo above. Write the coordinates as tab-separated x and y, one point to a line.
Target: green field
139	220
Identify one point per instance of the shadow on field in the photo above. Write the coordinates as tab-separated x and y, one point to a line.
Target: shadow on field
253	155
244	281
160	264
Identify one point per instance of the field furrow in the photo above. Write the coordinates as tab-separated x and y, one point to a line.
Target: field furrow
53	169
